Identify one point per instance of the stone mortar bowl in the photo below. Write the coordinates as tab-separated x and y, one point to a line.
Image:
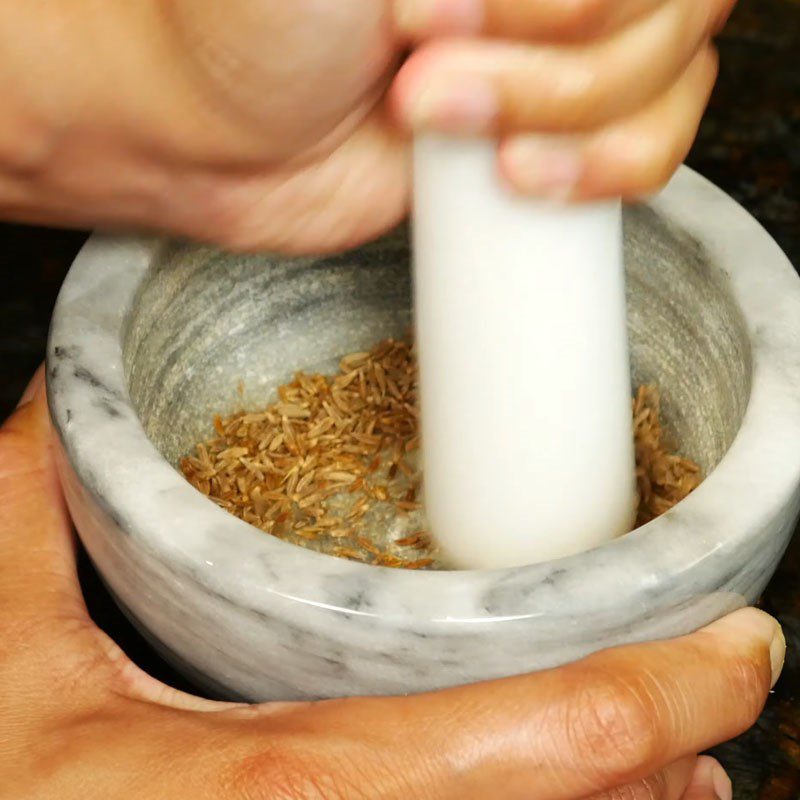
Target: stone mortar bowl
150	338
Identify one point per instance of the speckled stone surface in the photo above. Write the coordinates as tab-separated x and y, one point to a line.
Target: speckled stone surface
747	145
148	332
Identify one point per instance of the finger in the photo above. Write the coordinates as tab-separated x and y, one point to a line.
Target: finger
355	194
607	721
38	576
543	20
629	159
709	782
668	784
481	87
624	714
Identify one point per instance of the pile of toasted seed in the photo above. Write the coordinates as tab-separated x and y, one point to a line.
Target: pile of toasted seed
332	455
663	478
332	465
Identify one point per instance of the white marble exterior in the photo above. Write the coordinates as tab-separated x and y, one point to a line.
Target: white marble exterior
253	617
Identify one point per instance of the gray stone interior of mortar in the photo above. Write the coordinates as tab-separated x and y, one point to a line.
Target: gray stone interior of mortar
212	333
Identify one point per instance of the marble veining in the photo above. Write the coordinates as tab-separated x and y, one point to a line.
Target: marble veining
253	617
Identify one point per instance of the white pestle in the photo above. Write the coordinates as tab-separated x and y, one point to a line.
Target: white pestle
524	367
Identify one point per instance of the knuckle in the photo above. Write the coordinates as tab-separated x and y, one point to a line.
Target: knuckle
659	174
749	682
26	147
585	18
274	773
613	728
652	788
651	162
583	99
285	771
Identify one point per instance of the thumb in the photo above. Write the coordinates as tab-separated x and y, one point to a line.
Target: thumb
39	586
607	721
709	781
38	577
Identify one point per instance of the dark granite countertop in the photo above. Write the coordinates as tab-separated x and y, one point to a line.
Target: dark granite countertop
749	145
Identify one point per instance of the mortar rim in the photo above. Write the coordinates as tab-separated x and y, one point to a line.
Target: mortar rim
763	463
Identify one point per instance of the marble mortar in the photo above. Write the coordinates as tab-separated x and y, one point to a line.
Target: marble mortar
151	337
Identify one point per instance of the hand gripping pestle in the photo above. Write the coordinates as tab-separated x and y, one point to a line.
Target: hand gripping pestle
524	368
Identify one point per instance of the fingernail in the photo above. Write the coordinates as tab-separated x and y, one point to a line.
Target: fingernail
759	625
543	167
439	16
709	778
777	655
461	106
32	388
